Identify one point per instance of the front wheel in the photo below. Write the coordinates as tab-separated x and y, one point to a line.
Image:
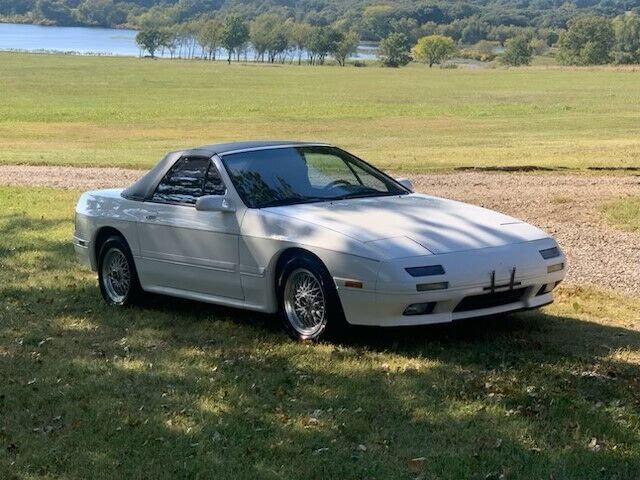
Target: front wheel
117	274
309	303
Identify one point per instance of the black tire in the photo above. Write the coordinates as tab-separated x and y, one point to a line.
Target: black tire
117	247
333	322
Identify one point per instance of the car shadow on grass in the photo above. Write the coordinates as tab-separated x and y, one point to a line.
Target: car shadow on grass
184	389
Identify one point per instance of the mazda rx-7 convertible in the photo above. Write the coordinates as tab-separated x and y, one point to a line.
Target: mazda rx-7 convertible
314	233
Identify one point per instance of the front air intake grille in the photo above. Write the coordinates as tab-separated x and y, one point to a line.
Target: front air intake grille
548	253
489	300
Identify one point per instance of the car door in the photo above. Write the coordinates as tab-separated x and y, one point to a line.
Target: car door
182	248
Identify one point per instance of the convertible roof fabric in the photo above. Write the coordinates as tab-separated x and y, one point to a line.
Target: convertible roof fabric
143	188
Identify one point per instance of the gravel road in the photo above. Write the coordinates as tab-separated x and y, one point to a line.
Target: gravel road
565	205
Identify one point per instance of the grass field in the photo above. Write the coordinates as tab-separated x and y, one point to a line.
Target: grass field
126	111
185	390
624	213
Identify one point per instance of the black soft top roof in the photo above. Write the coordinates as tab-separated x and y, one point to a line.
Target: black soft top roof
223	148
143	188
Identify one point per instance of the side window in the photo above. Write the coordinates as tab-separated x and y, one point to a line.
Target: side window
184	182
213	184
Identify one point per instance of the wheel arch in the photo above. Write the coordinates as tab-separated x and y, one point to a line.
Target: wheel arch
334	306
286	255
101	236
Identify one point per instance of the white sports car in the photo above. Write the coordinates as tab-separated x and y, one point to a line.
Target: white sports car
312	232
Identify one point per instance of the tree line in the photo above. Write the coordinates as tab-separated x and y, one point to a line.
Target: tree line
270	37
588	40
466	21
480	29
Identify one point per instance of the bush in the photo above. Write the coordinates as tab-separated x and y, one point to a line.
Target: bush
394	50
589	41
483	51
517	52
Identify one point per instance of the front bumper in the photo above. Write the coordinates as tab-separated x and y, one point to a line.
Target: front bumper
386	309
83	252
473	290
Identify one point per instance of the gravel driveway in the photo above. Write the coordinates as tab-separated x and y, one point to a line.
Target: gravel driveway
565	205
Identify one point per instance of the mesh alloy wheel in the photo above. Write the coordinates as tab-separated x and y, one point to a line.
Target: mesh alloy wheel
116	275
304	302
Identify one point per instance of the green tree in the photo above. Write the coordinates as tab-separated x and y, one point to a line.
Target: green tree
376	20
263	31
101	12
394	50
347	45
155	17
186	36
57	11
486	50
150	40
588	41
209	37
434	49
549	36
627	31
235	35
299	34
408	26
170	39
517	52
502	33
474	30
320	43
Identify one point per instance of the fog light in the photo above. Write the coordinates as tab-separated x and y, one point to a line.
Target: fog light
425	287
419	308
555	268
548	288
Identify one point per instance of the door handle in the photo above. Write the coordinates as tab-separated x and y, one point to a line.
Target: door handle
151	217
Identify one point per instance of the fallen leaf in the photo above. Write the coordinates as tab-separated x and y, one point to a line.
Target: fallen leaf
595	445
415	465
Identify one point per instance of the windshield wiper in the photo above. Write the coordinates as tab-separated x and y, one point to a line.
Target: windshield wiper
364	195
280	202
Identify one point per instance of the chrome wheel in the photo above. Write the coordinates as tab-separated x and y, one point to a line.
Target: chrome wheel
116	275
304	302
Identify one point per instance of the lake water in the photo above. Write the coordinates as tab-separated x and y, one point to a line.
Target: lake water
84	40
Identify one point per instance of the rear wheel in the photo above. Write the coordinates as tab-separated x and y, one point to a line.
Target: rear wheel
117	274
309	304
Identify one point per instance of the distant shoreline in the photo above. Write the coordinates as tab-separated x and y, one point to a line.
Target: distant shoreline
46	23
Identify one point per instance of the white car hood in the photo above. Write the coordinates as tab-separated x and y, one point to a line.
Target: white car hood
439	225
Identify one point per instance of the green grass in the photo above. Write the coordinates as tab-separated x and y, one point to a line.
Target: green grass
127	111
186	390
624	213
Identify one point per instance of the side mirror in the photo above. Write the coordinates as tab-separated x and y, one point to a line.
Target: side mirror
405	182
215	203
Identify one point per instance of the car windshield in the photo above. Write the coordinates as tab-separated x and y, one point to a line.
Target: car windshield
292	175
